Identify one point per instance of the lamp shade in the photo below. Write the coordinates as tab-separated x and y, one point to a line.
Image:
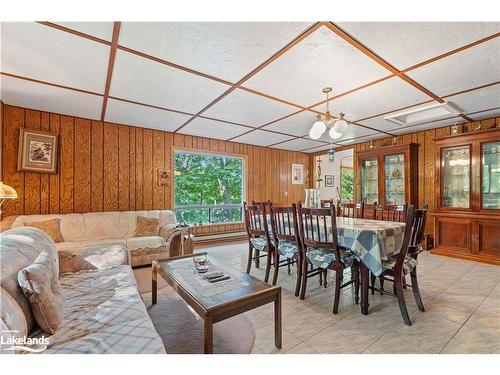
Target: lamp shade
7	192
333	134
340	126
317	130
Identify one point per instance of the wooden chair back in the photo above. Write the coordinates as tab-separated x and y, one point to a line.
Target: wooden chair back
284	223
410	214
390	212
417	230
326	203
318	228
352	210
256	221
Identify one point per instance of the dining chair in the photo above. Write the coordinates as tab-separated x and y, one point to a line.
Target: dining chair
326	203
287	241
406	262
352	210
318	233
259	237
389	212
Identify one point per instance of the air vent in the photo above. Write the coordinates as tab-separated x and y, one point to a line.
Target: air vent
430	112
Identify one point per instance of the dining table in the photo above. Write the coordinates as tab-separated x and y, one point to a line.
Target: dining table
373	243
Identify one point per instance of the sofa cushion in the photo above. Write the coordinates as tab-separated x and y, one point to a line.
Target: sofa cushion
40	284
19	248
12	315
104	314
146	226
73	263
52	227
150	242
104	253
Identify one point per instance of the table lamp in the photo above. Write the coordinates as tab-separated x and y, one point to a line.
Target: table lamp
6	193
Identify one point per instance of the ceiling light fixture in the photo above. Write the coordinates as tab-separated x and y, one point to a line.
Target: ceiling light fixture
336	125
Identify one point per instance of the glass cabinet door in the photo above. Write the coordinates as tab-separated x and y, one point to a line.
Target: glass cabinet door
490	172
369	180
394	172
455	177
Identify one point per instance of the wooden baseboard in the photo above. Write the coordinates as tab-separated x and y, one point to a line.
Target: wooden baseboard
475	258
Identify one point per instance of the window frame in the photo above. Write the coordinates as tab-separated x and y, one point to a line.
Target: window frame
244	177
342	167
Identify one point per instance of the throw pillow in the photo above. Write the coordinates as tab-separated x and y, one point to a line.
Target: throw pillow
12	315
73	263
40	284
146	226
51	227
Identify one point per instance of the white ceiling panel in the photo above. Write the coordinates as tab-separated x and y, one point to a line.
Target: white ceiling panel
40	52
146	81
404	44
431	125
298	144
28	94
382	97
486	114
227	50
101	30
213	129
139	115
298	124
477	100
322	148
363	139
322	59
473	67
380	124
351	132
262	138
246	108
142	80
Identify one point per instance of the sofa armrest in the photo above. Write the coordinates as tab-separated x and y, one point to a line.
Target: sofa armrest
168	230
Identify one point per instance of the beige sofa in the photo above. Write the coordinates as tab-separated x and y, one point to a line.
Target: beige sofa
104	311
104	235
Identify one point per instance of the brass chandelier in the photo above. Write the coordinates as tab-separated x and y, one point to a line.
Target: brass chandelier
336	125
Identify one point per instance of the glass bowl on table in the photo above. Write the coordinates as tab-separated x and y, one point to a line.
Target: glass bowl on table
200	261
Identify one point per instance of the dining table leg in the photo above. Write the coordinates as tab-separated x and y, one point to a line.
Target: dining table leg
365	276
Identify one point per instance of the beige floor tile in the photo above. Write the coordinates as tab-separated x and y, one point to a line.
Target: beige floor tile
473	341
304	326
446	311
301	348
264	340
390	344
460	301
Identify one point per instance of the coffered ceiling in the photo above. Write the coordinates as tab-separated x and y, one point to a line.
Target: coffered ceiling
255	83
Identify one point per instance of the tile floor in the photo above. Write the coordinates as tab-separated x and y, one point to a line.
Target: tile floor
461	298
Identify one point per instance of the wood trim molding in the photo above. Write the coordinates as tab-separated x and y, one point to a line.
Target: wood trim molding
111	64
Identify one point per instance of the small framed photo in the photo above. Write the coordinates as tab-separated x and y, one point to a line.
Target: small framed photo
297	174
38	151
329	181
455	129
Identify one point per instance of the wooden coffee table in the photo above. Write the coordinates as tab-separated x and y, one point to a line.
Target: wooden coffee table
220	306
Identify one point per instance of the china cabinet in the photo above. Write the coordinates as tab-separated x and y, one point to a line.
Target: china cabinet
388	175
467	215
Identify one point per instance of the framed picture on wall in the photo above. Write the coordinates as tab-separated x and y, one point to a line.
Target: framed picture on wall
297	174
38	151
329	181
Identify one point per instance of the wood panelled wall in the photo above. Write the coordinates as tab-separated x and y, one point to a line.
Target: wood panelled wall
426	158
111	167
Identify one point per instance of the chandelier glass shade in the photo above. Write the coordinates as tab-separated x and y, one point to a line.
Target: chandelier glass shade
336	126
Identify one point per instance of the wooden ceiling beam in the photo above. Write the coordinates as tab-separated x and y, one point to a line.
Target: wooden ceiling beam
111	64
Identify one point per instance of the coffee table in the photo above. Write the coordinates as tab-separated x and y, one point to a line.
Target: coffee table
250	294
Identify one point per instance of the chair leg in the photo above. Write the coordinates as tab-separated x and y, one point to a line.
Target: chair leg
338	282
372	279
398	286
299	276
416	291
288	265
268	264
355	275
276	266
404	281
325	282
249	261
257	258
381	281
320	278
304	279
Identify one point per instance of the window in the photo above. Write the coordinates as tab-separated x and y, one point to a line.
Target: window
346	184
208	188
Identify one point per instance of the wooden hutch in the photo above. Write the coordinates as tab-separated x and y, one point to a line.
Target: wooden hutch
387	175
467	215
